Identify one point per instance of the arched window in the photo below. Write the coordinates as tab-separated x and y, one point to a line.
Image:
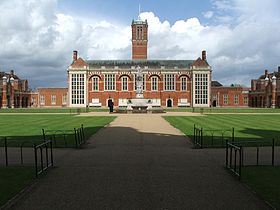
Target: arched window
124	83
95	81
183	83
154	83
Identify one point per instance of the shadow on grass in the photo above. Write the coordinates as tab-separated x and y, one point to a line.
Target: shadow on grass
219	138
60	140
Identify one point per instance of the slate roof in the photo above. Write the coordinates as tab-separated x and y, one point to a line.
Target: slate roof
216	84
142	63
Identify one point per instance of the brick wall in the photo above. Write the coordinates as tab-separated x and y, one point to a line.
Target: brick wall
48	93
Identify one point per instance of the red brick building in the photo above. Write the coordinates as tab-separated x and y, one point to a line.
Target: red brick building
50	97
14	92
229	96
166	83
265	91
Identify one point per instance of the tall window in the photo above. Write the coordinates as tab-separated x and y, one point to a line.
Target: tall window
169	82
42	99
245	100
64	99
109	82
33	100
201	89
125	83
236	99
78	84
183	83
143	81
53	99
139	32
154	84
225	99
95	84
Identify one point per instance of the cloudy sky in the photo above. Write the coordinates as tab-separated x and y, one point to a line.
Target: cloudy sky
37	37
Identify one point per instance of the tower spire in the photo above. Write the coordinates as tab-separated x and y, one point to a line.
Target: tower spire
139	11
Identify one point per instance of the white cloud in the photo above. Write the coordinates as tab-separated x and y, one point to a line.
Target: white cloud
40	45
208	14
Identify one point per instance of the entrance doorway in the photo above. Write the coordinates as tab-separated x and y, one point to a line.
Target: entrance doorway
214	103
169	103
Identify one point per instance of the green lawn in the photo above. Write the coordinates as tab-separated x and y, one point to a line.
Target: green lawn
53	110
13	180
29	127
265	181
247	127
234	110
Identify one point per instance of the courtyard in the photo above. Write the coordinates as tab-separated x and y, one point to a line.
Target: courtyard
141	162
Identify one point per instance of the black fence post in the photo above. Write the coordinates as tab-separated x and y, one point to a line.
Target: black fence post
47	155
21	153
273	148
194	132
227	154
76	140
240	160
83	132
51	147
201	138
44	135
6	150
42	163
232	134
257	155
36	160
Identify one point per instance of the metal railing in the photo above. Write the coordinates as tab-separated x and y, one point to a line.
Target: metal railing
42	159
234	158
65	135
235	154
45	161
212	137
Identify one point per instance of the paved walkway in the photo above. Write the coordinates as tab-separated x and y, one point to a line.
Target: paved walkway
139	162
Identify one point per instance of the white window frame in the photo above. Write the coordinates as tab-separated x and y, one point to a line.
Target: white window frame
125	83
95	83
236	99
64	99
154	83
53	99
42	99
78	89
169	82
109	82
201	89
245	100
184	84
225	99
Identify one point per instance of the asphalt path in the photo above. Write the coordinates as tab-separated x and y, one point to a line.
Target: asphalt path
139	162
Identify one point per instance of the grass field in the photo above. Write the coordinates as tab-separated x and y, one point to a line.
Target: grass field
224	110
247	127
29	127
13	180
264	180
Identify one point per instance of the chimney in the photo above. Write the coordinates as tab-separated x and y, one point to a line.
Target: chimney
266	73
12	72
75	55
204	55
